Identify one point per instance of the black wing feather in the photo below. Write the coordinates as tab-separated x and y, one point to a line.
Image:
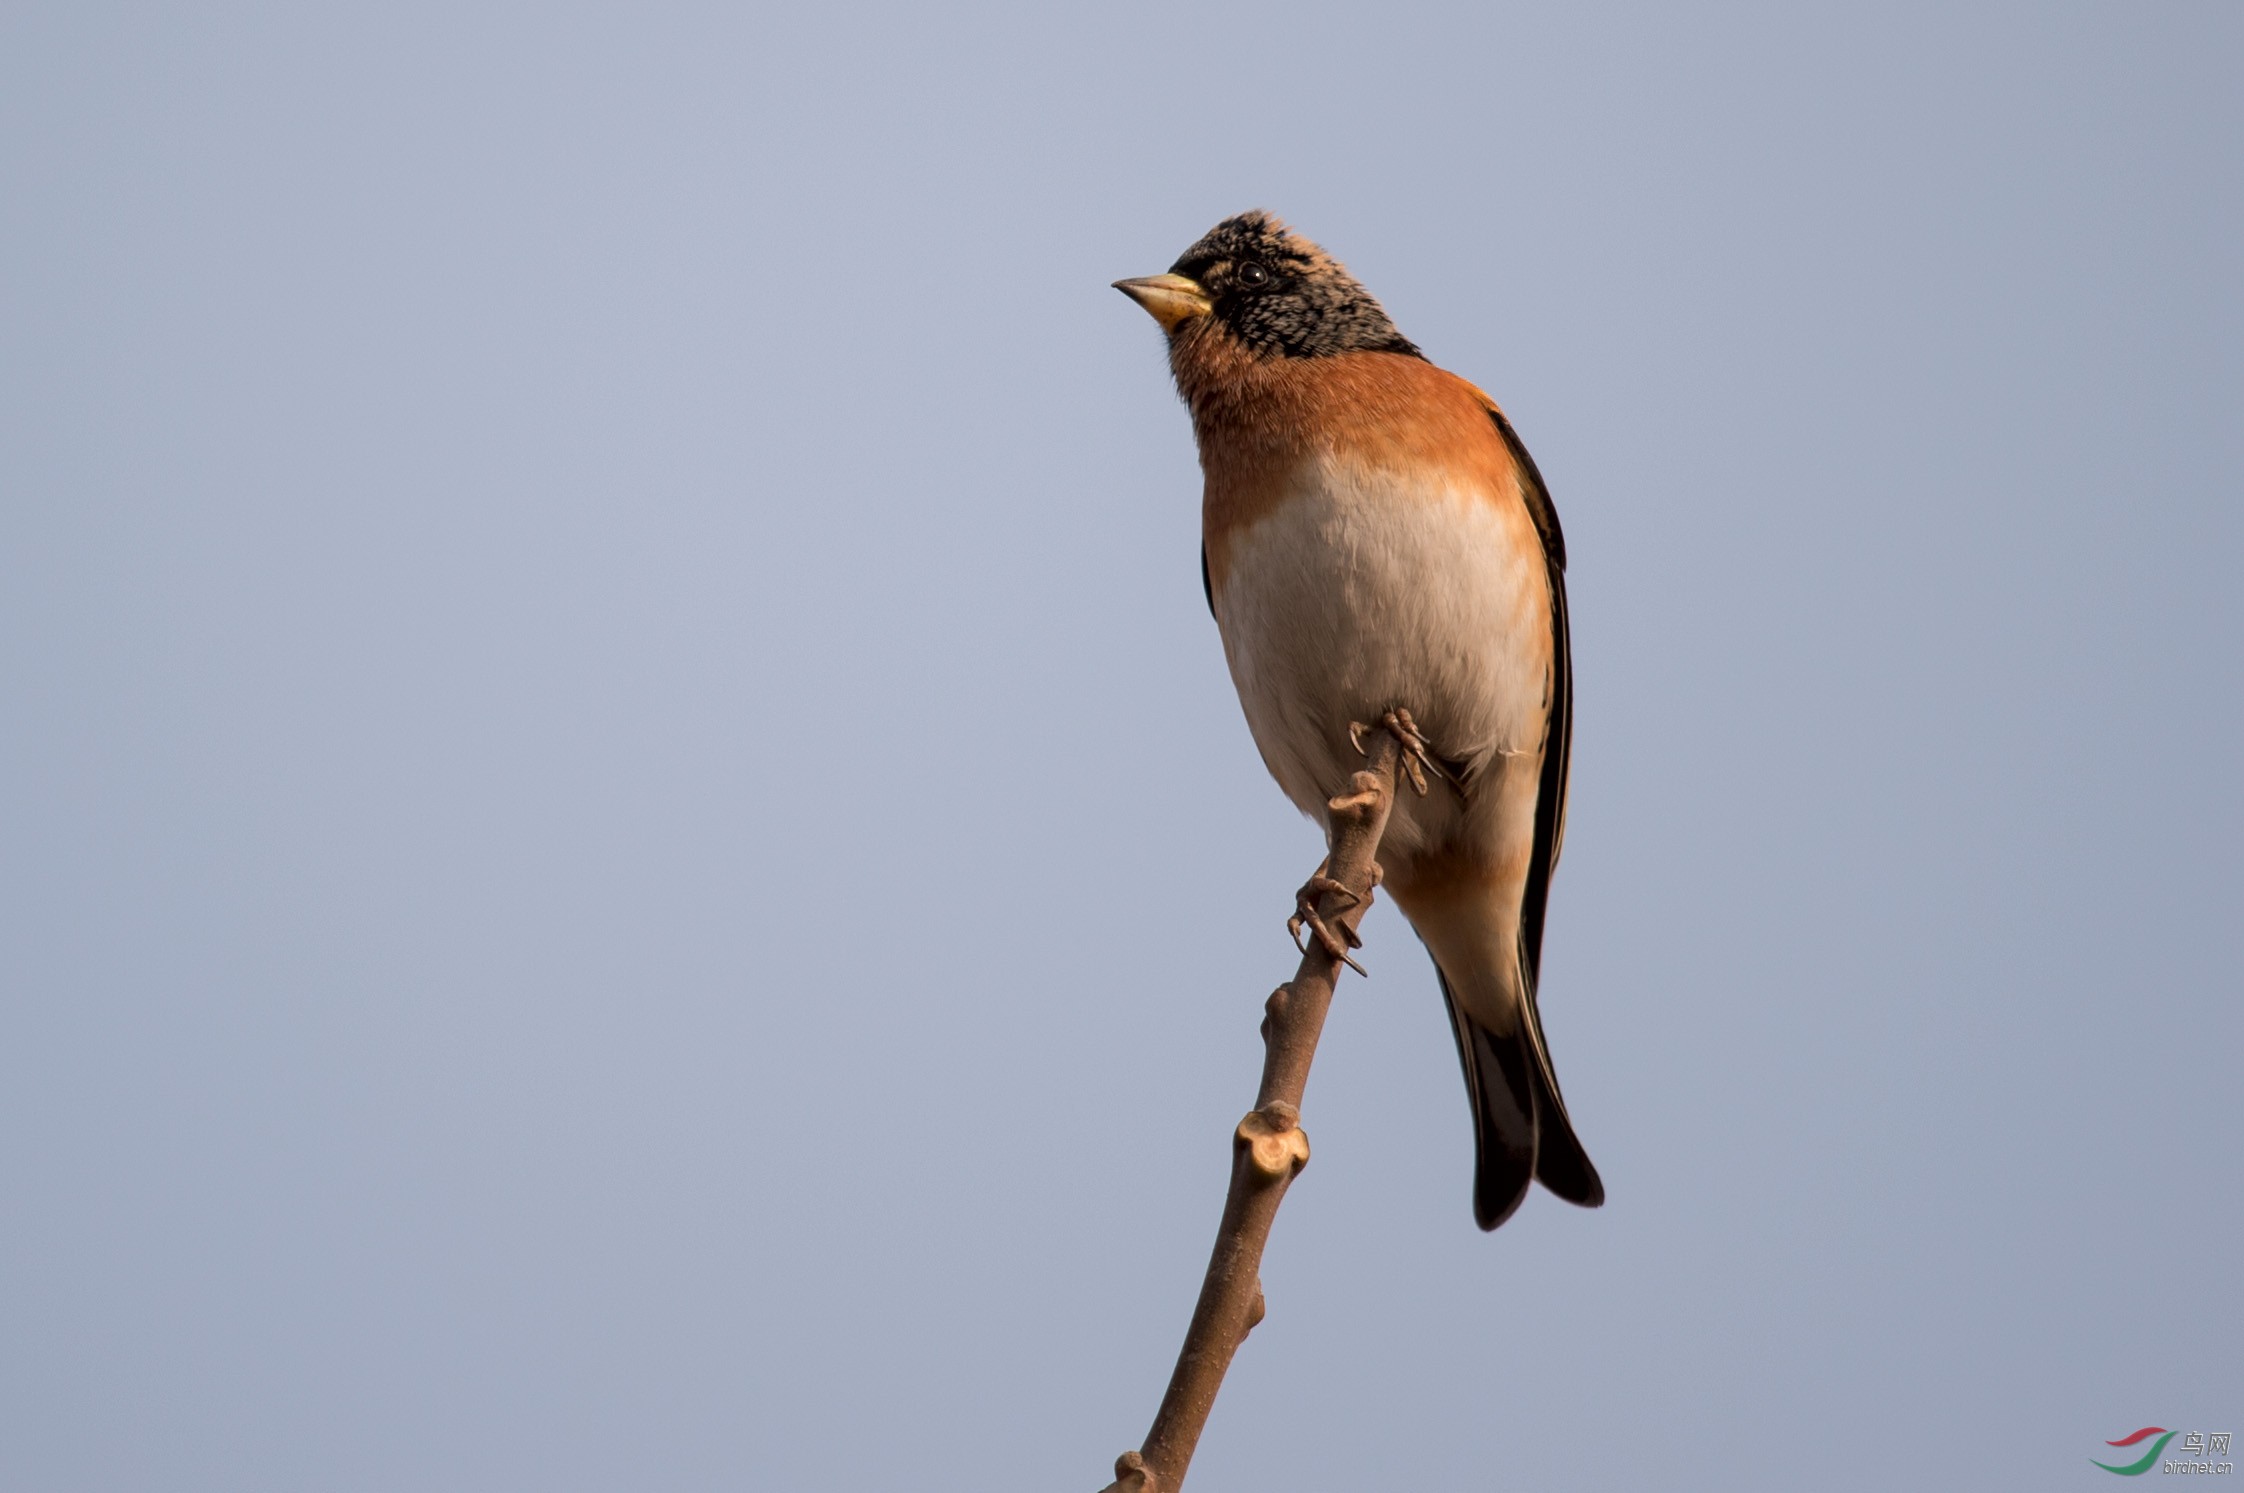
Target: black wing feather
1558	744
1560	1162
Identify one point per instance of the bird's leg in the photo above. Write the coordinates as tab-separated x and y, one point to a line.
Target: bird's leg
1411	762
1306	915
1416	759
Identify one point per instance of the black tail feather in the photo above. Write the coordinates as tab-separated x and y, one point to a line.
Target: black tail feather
1521	1132
1560	1162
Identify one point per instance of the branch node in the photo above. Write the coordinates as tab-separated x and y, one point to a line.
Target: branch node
1352	808
1257	1312
1276	1144
1131	1475
1274	1010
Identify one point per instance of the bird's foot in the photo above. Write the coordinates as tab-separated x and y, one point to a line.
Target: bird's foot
1306	916
1416	760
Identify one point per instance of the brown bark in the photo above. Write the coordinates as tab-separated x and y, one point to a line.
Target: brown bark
1269	1147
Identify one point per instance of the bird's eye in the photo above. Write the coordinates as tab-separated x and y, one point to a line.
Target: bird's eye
1252	275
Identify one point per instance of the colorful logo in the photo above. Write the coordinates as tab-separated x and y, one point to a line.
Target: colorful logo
2150	1458
2197	1447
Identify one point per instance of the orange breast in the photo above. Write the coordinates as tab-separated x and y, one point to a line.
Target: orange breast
1261	420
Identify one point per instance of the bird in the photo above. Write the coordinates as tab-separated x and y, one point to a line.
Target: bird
1375	538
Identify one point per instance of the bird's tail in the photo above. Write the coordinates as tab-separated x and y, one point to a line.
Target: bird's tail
1520	1129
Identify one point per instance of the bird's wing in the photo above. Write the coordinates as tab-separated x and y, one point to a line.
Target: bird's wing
1560	1162
1558	741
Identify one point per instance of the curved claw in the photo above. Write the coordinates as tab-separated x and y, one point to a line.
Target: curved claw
1306	915
1415	759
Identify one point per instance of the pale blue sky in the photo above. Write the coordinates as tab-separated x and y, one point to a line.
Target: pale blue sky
630	863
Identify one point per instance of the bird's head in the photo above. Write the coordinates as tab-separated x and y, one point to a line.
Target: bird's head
1275	292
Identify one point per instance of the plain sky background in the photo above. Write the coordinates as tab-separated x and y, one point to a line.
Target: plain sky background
630	863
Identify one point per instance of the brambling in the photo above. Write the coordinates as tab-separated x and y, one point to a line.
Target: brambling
1376	539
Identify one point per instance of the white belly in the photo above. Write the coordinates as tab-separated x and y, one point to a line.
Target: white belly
1354	597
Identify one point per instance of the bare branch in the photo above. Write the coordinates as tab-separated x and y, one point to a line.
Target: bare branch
1269	1147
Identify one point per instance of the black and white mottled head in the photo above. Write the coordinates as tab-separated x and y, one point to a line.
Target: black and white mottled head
1279	293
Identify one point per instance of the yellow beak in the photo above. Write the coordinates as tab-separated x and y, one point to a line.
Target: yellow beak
1168	299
